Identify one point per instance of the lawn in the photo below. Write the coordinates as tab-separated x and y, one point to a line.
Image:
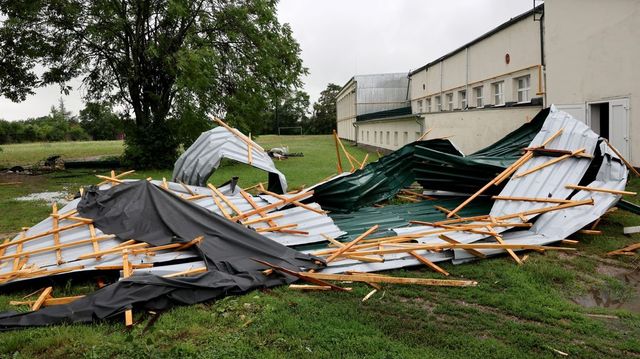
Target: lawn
515	311
29	153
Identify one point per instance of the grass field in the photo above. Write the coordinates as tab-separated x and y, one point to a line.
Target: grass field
515	311
29	153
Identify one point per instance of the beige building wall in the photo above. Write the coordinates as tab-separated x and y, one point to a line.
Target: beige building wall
473	130
481	64
592	51
389	134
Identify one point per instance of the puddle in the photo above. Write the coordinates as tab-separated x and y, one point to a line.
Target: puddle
607	299
59	197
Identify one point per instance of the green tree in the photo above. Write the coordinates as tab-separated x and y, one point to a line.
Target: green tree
155	58
324	111
100	122
291	110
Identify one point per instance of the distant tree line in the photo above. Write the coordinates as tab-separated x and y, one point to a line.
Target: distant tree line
95	122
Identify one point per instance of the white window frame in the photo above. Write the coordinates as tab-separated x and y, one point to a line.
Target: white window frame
419	106
479	99
438	103
405	137
388	137
449	98
498	93
522	93
428	104
395	138
375	136
462	99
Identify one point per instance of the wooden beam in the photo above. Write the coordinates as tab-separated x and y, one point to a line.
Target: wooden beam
546	209
42	234
352	243
393	280
633	169
469	250
187	272
364	161
50	301
532	199
43	296
273	205
549	163
339	165
428	263
56	235
604	190
297	203
225	199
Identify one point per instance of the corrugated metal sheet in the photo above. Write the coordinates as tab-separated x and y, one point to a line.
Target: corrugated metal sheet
381	92
202	158
550	181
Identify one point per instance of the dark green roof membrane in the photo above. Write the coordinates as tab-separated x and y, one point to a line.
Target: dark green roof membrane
436	164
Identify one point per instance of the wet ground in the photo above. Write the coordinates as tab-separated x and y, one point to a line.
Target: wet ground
58	197
608	298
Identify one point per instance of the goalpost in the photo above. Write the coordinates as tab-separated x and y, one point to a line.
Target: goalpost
289	128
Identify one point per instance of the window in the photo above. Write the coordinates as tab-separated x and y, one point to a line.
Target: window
462	99
479	96
450	101
367	136
395	138
522	84
405	138
498	93
427	103
362	134
419	106
388	138
438	103
375	136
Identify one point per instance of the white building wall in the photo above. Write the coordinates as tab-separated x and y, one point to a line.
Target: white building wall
399	132
346	111
592	51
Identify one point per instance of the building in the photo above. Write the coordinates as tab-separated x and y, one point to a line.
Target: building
591	66
365	94
491	85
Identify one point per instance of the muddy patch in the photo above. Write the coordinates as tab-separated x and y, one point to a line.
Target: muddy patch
607	297
49	197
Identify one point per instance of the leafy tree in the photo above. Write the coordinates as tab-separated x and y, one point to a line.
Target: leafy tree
324	111
99	121
156	58
291	110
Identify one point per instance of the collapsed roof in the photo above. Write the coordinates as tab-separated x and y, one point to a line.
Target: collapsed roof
181	244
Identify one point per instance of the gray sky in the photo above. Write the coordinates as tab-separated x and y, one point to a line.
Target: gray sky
341	38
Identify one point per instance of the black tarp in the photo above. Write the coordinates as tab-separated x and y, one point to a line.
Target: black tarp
147	213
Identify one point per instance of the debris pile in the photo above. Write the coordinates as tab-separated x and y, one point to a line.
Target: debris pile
186	241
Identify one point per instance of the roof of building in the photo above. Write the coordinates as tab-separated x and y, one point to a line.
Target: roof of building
386	114
502	26
385	80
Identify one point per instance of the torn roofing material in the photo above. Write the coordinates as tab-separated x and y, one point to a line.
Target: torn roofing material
153	215
436	164
203	157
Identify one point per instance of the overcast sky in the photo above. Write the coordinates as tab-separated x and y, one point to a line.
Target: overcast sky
341	38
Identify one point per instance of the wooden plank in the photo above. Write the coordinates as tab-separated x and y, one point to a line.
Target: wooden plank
187	272
352	243
424	134
470	250
430	247
42	234
113	250
532	199
631	230
633	169
339	164
604	190
364	161
49	301
549	163
109	179
220	206
304	276
510	251
344	150
309	287
297	203
239	134
272	205
225	199
262	219
18	253
547	209
56	235
43	296
428	263
393	280
276	228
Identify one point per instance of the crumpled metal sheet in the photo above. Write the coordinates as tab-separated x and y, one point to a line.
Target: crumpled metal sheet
203	157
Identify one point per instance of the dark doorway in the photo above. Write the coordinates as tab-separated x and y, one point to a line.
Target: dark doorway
600	118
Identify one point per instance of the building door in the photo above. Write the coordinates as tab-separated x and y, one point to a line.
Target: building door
619	125
610	119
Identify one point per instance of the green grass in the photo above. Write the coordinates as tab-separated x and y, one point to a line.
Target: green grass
515	311
29	153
